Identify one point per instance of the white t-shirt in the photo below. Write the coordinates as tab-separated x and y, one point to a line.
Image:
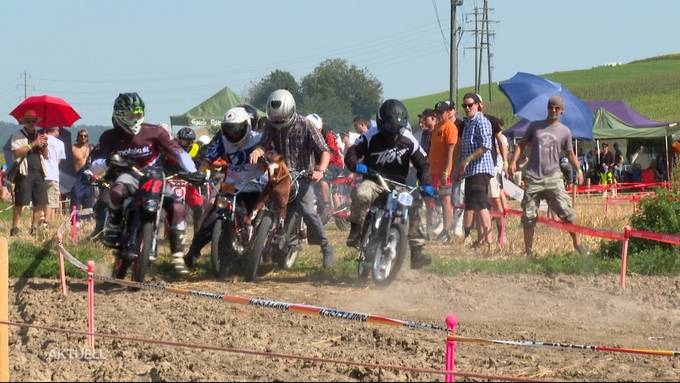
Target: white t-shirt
56	153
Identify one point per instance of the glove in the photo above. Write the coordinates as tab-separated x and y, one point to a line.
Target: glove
428	190
87	177
361	169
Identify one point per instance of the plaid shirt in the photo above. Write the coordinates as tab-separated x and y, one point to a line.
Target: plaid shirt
476	134
298	144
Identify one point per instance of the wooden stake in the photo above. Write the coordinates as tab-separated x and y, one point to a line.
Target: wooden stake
4	310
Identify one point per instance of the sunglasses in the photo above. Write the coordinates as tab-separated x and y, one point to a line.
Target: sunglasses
82	135
468	106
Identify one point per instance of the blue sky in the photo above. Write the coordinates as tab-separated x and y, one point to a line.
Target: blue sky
178	53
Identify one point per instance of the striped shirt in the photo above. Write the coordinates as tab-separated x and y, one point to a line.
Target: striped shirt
476	134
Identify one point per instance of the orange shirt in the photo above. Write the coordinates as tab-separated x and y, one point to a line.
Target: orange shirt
443	135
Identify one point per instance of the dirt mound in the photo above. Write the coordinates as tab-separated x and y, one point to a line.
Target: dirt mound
583	310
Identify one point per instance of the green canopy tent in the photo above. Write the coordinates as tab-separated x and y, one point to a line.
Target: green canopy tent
209	112
606	126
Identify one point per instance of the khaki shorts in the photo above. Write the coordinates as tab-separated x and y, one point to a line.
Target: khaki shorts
53	194
551	189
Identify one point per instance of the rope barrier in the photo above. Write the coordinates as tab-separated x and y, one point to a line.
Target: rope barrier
275	355
598	348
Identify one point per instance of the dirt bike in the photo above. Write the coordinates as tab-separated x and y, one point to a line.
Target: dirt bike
141	220
230	235
384	236
272	243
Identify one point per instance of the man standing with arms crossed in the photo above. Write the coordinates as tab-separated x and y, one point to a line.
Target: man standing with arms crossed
546	140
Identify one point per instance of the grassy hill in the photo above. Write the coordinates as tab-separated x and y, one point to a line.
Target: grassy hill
651	86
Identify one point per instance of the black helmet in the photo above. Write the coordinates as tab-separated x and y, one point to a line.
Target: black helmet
392	118
186	134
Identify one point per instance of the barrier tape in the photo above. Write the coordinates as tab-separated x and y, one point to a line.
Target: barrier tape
279	355
262	302
598	348
619	186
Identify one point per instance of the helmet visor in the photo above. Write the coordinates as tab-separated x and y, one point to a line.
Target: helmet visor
234	132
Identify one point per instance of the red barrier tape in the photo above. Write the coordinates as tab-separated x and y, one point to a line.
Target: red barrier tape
658	237
620	186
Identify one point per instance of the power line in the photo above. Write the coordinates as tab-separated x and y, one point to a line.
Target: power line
441	30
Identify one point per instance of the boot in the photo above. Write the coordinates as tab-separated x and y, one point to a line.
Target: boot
418	259
354	238
113	229
176	234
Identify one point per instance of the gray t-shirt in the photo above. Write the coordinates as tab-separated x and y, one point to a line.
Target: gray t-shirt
546	142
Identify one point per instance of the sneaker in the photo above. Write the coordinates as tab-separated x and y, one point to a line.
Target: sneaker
13	231
467	242
178	262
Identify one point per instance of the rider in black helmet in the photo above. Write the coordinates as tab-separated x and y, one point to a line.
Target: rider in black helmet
389	149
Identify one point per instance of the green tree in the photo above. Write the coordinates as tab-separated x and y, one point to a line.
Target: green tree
259	92
335	85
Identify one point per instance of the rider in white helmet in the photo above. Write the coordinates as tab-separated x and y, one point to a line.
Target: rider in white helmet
292	135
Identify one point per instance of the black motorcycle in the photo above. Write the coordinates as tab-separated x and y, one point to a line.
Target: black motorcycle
272	243
384	236
141	220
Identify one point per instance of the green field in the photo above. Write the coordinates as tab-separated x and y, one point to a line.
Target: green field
650	86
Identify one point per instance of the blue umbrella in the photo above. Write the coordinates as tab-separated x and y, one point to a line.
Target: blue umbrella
529	96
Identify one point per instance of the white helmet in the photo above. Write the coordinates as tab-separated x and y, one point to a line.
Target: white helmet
203	140
236	126
316	121
281	109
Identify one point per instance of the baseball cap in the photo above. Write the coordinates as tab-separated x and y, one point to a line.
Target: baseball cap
428	112
443	106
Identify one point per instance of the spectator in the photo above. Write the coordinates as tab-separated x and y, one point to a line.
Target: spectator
29	149
441	159
546	139
82	195
661	168
606	168
289	132
499	152
335	167
56	155
361	125
427	122
618	163
476	168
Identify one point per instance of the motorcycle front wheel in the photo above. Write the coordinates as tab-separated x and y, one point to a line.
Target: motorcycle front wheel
389	258
141	265
258	247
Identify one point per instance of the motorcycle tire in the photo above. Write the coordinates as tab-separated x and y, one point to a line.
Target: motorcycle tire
285	258
399	239
258	247
120	268
221	259
141	265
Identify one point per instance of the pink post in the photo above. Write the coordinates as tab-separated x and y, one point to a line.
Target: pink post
606	207
90	305
624	256
62	272
451	324
74	216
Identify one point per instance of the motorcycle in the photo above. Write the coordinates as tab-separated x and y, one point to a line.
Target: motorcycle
230	234
140	221
340	198
271	243
384	236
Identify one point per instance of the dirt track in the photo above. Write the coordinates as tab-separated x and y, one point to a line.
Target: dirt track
583	310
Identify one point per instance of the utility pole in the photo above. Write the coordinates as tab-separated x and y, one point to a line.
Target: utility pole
483	36
488	45
453	87
25	76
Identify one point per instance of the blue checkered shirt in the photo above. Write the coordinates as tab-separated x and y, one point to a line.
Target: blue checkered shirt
477	133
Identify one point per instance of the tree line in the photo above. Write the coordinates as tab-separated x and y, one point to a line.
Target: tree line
335	90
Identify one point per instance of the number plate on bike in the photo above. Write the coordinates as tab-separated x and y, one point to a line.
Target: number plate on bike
405	199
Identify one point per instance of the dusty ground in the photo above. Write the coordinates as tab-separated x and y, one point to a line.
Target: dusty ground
560	308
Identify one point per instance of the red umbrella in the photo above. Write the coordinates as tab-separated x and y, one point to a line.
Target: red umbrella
53	111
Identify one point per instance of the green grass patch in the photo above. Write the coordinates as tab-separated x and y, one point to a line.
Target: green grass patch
31	260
